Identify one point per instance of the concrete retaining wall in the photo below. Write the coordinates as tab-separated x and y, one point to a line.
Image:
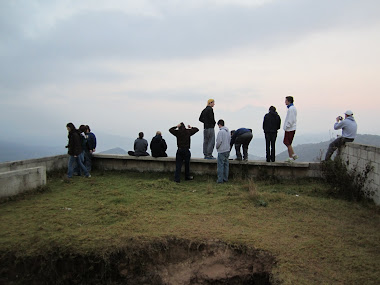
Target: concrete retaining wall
358	156
203	166
51	163
18	181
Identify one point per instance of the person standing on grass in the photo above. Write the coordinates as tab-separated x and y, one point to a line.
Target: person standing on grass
183	152
208	120
223	140
271	123
90	149
290	125
74	150
349	130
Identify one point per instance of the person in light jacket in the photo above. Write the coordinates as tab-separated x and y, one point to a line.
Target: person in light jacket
223	141
290	126
349	130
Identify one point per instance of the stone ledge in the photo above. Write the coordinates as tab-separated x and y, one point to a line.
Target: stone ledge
206	161
18	181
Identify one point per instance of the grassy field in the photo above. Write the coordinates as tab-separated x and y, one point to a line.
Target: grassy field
315	239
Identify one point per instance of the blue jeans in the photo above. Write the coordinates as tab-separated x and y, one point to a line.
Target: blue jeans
183	154
208	141
79	162
88	160
223	167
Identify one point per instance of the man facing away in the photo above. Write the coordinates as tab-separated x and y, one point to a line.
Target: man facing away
91	147
290	125
183	152
208	120
223	140
271	124
241	138
140	146
158	146
349	130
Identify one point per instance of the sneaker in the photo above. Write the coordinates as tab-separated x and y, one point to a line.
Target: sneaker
88	176
295	156
189	178
289	159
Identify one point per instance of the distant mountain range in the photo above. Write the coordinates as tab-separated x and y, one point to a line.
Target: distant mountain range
307	152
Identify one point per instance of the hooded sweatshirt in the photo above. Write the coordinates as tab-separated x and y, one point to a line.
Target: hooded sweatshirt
348	126
272	122
223	140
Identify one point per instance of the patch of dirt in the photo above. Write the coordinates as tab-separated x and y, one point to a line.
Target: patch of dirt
171	262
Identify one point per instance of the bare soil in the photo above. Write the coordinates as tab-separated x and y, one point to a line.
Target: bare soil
171	261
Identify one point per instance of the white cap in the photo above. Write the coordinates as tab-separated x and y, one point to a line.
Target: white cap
349	113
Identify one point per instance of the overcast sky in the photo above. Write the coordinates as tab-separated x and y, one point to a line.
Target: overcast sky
139	65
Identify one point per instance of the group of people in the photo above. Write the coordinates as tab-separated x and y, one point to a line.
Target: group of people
81	145
82	142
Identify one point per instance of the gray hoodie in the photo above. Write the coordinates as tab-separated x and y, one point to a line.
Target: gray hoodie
348	126
223	140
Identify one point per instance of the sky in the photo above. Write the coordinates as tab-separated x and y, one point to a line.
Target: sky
141	65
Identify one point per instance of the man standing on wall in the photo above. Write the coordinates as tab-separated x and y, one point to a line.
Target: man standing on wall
208	120
349	130
241	138
290	125
271	123
183	152
223	140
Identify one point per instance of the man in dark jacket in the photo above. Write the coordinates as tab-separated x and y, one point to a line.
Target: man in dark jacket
183	153
208	120
271	123
74	150
241	137
158	146
91	147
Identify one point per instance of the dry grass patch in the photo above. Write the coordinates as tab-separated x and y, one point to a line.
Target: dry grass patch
315	239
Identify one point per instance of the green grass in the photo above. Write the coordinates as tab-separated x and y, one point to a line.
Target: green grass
316	239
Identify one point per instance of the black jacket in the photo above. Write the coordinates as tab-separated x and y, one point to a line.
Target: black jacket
75	144
207	117
272	122
183	135
158	146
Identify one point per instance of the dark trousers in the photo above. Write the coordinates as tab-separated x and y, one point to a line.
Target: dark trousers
183	154
243	140
270	142
335	144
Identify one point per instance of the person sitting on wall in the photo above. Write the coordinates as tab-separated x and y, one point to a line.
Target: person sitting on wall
140	146
349	130
158	146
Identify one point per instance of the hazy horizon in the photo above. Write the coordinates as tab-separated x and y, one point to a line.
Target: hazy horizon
128	66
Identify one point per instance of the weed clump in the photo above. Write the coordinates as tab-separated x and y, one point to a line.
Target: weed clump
349	184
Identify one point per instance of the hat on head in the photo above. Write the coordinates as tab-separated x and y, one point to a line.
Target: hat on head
209	101
348	113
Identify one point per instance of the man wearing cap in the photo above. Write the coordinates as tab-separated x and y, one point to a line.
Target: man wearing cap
208	120
349	129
